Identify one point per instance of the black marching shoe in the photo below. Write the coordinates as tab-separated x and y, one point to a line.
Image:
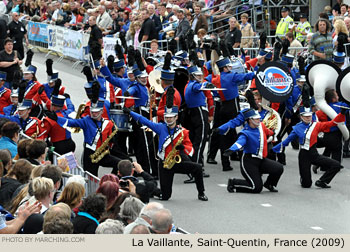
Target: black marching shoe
315	168
271	188
230	186
321	184
211	161
205	175
202	197
190	180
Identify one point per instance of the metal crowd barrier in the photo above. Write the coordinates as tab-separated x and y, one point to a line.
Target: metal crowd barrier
58	40
143	47
91	181
253	51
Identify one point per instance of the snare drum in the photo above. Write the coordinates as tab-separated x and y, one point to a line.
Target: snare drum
239	67
121	120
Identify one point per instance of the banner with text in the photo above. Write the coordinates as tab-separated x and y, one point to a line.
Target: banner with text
37	32
55	38
108	46
73	44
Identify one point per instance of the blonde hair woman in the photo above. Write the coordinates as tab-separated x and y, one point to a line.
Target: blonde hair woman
72	195
339	28
43	191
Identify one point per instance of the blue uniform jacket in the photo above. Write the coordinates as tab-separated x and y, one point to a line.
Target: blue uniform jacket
10	110
292	101
194	97
138	90
116	81
252	141
229	81
161	129
87	124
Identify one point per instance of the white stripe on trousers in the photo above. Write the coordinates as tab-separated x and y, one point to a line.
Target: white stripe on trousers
245	171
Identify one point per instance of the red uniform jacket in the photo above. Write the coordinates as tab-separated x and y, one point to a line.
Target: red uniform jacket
5	99
186	142
53	130
162	104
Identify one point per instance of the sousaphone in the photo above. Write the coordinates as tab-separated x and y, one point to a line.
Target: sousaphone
323	75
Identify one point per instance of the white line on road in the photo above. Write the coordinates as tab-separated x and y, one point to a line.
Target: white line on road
266	205
317	228
222	185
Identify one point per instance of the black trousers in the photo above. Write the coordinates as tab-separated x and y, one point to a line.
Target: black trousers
310	157
252	168
106	161
18	46
333	142
119	148
286	130
228	111
186	166
198	128
214	139
65	146
143	145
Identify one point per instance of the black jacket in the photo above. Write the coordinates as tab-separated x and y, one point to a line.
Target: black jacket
157	22
143	189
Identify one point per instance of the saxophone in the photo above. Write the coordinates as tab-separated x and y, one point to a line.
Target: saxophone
173	156
103	150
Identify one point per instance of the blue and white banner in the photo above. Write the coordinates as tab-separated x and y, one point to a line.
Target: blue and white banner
38	32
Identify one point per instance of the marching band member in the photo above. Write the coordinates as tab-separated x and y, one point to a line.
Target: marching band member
292	108
51	79
5	93
307	131
34	91
173	140
92	86
31	126
167	81
60	137
253	140
332	139
198	112
230	103
117	80
265	55
143	142
214	138
106	89
12	109
97	134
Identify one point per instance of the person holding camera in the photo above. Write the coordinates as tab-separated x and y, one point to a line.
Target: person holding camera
145	189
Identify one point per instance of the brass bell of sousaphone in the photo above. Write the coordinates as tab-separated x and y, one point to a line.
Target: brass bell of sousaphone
343	85
154	80
322	75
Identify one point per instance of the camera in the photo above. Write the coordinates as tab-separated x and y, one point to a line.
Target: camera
123	183
207	42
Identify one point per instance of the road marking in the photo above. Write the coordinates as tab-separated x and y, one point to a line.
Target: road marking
266	205
317	228
222	185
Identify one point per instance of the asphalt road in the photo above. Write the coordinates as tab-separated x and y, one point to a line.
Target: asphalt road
293	210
